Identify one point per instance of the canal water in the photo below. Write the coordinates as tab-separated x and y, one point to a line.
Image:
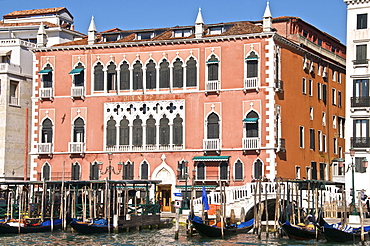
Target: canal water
154	237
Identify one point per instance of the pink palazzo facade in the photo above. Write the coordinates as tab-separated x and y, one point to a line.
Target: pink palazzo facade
203	104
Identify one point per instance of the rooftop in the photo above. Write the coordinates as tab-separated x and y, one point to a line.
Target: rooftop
35	12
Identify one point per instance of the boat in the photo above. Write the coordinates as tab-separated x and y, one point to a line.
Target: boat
15	227
93	226
214	231
339	233
300	232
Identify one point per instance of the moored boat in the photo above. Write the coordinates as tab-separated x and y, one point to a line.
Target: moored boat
15	227
300	232
339	233
214	231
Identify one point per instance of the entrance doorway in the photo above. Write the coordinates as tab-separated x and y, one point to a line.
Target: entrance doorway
164	192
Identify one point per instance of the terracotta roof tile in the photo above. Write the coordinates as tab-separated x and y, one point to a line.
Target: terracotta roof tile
48	24
31	12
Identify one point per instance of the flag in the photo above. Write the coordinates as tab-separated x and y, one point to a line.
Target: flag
205	198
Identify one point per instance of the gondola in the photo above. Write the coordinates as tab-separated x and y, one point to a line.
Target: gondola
213	231
95	226
300	232
16	227
338	233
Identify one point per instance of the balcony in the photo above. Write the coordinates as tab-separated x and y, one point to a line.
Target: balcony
360	142
78	92
46	93
44	148
281	145
13	101
10	68
211	144
251	83
360	101
213	86
76	148
279	86
253	143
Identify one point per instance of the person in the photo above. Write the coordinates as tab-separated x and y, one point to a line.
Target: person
160	203
364	199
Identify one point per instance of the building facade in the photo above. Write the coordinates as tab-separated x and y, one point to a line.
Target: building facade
21	31
227	102
357	101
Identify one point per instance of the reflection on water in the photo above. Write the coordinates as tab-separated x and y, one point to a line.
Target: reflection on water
149	238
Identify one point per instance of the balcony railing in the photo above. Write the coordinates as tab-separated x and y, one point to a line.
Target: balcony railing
46	93
279	86
14	101
213	86
149	147
360	62
211	144
251	83
252	143
44	148
360	101
360	142
281	145
78	92
76	147
10	68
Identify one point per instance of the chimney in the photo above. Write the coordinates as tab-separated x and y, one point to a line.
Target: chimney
91	32
199	23
267	19
41	36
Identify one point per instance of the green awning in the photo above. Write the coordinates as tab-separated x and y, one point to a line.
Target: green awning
211	158
45	71
250	120
76	71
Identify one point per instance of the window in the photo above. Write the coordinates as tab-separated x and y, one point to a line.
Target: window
201	172
212	65
311	113
319	91
76	170
334	96
14	93
177	130
360	133
124	132
128	171
46	171
310	87
151	131
334	121
312	139
238	171
304	90
98	77
111	132
151	75
252	65
319	140
308	173
179	33
145	35
47	131
251	125
137	132
138	76
164	74
224	166
258	170
94	171
178	74
213	127
297	172
79	130
335	145
339	78
323	118
47	76
359	168
215	30
324	143
362	21
339	99
144	170
124	76
341	122
79	75
319	42
313	170
361	54
301	136
323	93
360	92
334	75
164	131
191	72
322	171
111	77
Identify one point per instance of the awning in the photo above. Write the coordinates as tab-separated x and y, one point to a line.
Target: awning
45	71
76	71
250	120
5	52
211	158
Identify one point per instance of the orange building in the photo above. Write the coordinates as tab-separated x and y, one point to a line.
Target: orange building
206	103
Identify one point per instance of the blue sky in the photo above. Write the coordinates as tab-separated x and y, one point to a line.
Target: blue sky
327	15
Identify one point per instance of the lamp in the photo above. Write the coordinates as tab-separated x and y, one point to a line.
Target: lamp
352	154
364	162
109	168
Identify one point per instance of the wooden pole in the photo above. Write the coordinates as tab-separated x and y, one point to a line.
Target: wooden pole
266	212
260	210
52	208
361	218
255	209
25	170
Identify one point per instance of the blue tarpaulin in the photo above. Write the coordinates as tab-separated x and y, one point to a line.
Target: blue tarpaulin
205	198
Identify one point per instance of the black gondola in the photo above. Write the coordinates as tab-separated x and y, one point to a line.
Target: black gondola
337	233
300	232
15	228
213	231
